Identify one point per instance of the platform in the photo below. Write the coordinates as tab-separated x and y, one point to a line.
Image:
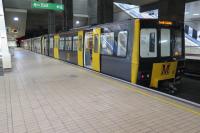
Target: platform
44	95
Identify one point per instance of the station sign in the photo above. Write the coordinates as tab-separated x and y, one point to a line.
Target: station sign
47	6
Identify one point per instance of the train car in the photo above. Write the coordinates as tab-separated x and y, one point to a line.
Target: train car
37	45
29	44
142	51
145	52
68	47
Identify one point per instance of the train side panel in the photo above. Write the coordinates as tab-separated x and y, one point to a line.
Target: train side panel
118	62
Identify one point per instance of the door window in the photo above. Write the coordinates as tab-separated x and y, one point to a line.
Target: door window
96	43
80	43
165	42
148	43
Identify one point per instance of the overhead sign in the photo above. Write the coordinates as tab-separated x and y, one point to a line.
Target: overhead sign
47	6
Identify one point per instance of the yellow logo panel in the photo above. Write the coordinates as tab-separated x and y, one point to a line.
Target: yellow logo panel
163	71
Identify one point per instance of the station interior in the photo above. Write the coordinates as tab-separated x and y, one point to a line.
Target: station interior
99	66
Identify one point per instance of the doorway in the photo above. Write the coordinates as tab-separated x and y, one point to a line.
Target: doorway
88	49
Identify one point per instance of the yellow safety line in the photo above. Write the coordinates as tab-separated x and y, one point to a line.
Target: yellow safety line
163	100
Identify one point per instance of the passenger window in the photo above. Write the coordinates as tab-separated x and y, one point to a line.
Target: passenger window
107	43
122	43
80	43
68	44
75	43
51	42
96	43
148	43
177	43
62	43
165	42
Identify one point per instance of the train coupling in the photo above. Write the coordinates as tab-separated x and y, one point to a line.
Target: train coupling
169	87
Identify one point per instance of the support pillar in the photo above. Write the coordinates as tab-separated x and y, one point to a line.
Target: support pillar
104	11
92	12
51	22
100	11
68	14
173	10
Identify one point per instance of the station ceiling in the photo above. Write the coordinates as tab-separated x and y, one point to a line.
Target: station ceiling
20	8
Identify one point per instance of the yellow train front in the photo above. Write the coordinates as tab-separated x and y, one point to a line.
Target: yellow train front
145	52
161	54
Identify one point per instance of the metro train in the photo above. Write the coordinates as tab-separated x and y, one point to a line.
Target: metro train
146	52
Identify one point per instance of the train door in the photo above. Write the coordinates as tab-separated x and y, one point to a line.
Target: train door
56	45
88	46
96	49
80	48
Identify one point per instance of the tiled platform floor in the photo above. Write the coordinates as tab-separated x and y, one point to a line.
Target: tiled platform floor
43	95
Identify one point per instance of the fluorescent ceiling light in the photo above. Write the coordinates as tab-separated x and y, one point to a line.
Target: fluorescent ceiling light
16	19
186	13
195	14
77	22
164	41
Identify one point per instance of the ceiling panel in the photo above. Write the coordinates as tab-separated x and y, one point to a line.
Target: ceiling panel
20	25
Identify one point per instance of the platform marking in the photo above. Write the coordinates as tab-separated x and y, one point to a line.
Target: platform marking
129	87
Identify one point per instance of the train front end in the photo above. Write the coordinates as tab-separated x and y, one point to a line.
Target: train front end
161	49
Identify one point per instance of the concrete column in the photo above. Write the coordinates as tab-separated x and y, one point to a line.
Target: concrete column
51	22
4	51
104	11
100	11
173	10
92	12
68	14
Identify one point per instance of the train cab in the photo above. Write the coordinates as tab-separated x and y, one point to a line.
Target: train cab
161	59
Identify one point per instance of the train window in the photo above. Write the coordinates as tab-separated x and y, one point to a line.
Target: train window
107	43
148	43
165	42
51	42
177	43
62	43
68	44
122	43
75	43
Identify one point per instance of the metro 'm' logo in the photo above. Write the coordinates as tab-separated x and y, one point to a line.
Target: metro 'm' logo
165	69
